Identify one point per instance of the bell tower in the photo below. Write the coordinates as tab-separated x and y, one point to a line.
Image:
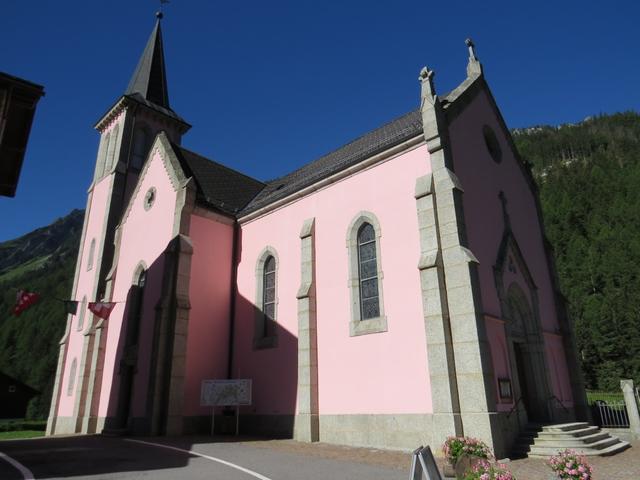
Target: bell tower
127	131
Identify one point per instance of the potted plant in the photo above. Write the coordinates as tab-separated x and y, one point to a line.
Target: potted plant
462	453
568	465
485	470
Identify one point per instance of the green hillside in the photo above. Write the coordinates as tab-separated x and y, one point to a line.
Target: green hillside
42	261
589	179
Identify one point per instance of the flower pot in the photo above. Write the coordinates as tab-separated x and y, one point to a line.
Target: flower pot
464	463
448	471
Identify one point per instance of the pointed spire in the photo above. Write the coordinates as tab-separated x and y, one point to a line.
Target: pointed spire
150	79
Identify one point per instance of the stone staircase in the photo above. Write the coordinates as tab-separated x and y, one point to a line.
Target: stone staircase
547	440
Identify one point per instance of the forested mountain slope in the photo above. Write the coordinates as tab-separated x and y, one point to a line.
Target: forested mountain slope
589	179
42	261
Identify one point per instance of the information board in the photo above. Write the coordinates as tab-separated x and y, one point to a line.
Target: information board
225	393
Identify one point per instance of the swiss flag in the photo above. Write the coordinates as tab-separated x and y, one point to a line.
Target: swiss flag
101	309
24	300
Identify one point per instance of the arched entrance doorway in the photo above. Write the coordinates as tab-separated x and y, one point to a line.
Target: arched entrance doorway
129	358
528	366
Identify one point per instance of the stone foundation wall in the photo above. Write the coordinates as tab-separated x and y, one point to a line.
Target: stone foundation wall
395	432
64	426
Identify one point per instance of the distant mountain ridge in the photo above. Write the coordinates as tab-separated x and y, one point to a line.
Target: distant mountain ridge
58	239
41	261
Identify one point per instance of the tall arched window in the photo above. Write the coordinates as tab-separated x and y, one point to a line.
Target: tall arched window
265	334
140	147
368	273
269	294
136	303
72	377
142	279
365	276
92	249
113	143
102	157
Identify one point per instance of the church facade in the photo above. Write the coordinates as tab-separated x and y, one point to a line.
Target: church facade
389	294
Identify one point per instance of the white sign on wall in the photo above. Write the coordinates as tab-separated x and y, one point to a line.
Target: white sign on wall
223	393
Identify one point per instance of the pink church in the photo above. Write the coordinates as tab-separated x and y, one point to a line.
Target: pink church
389	294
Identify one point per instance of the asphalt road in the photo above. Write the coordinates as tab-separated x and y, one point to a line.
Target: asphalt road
97	457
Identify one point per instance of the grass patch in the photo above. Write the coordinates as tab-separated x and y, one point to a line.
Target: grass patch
592	396
16	425
21	434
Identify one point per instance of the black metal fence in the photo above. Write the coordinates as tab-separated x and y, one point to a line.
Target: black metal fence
608	409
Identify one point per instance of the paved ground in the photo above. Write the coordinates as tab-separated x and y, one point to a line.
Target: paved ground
98	457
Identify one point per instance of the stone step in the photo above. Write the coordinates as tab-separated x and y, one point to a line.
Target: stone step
578	436
571	440
577	433
544	452
564	427
599	445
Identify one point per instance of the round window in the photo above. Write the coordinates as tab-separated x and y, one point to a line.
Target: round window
149	198
491	141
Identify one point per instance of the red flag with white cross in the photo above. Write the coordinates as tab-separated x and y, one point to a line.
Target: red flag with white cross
101	309
24	300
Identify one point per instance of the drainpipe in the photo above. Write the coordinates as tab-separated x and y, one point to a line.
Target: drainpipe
233	294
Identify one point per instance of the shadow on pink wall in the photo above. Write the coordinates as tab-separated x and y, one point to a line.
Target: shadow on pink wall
131	386
273	371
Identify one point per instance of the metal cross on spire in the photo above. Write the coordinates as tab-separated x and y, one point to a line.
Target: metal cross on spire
160	13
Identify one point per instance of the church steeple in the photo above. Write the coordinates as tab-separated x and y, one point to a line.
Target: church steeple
149	78
130	126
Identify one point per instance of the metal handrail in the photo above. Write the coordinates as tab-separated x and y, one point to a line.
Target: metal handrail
515	406
559	402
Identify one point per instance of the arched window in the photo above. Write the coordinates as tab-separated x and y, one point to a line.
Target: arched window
368	273
92	249
269	294
136	303
142	278
365	276
265	333
103	155
72	377
113	143
140	147
83	311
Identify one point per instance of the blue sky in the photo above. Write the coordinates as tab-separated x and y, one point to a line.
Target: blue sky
269	86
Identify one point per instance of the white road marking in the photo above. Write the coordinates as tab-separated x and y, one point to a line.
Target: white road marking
26	473
213	459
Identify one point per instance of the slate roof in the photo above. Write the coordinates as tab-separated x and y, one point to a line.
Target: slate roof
149	78
218	186
376	141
